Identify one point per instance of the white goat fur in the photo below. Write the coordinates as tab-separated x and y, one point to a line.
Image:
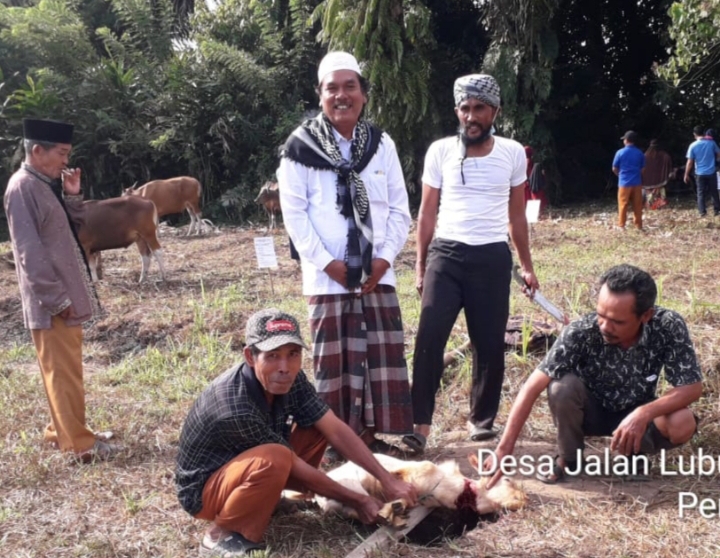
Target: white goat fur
437	486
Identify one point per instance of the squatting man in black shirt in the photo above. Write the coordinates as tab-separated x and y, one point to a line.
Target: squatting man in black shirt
259	428
601	377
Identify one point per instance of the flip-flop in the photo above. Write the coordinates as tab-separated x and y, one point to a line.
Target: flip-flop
381	446
558	473
415	442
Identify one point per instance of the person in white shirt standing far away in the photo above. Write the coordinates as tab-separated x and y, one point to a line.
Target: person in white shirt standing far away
345	207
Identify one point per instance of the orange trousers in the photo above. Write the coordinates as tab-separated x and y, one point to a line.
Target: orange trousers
59	351
630	195
242	494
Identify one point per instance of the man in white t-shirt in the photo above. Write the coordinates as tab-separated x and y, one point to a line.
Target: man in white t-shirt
476	181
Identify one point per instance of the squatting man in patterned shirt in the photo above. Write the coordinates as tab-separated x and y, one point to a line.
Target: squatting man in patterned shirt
602	373
259	428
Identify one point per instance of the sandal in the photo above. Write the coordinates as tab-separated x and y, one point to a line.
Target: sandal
558	473
415	442
479	433
381	446
233	544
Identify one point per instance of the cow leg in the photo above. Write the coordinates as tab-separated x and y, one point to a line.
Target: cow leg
195	209
272	221
155	249
200	222
145	252
192	221
160	261
92	264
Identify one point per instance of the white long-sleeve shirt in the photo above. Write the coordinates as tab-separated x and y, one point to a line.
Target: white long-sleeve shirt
318	230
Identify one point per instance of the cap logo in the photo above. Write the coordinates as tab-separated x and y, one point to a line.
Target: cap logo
279	325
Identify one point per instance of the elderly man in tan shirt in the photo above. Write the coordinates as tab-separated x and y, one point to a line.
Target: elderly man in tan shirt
57	296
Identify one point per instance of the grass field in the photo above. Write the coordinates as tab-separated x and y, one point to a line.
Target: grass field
161	343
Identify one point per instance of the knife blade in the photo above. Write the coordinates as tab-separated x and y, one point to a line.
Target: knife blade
540	299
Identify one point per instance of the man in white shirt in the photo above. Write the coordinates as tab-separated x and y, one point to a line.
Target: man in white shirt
476	181
345	208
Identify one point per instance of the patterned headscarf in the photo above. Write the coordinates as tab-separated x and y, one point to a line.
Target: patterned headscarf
477	86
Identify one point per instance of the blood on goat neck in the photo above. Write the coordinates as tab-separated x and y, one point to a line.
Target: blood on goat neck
467	498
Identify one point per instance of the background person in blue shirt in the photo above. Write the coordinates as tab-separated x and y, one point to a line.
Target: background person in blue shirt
628	165
701	156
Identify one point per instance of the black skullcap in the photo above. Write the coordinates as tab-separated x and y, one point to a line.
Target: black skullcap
50	131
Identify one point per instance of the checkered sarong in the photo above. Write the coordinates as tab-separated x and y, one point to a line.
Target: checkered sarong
359	359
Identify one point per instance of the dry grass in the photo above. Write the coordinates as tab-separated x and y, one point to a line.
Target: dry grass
160	344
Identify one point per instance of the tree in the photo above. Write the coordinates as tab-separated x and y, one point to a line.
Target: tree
603	85
694	31
393	40
521	57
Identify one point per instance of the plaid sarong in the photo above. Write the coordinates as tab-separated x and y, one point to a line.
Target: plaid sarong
359	359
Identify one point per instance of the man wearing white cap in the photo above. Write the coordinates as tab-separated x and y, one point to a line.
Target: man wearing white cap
480	179
345	208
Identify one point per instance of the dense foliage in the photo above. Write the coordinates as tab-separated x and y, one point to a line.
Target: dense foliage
163	88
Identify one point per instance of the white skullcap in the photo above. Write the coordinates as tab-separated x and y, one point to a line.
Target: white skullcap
334	61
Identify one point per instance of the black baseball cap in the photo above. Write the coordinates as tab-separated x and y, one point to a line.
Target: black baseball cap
630	136
272	328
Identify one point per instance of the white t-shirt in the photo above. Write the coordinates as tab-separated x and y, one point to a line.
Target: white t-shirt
475	212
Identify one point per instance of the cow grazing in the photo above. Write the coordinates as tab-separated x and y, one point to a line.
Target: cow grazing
117	223
437	486
174	195
269	198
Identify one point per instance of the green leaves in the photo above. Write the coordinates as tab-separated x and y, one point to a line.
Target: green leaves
32	99
522	57
393	40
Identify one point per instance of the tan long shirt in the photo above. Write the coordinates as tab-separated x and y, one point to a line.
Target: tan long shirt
50	269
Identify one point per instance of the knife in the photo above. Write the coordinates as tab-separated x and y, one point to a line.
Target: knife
540	299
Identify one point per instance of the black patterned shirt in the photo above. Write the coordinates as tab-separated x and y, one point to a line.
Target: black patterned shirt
625	378
232	416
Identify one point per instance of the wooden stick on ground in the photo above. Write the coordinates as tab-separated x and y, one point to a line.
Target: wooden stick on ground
451	357
385	535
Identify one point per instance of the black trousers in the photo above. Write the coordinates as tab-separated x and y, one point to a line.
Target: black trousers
707	187
577	414
476	279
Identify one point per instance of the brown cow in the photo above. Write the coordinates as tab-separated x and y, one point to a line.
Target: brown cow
269	198
174	195
117	223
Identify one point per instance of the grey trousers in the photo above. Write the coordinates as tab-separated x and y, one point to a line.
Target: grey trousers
576	414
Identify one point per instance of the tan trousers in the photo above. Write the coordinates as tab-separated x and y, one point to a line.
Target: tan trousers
630	195
59	351
242	494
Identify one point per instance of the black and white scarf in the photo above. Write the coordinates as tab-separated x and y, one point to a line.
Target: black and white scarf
313	145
